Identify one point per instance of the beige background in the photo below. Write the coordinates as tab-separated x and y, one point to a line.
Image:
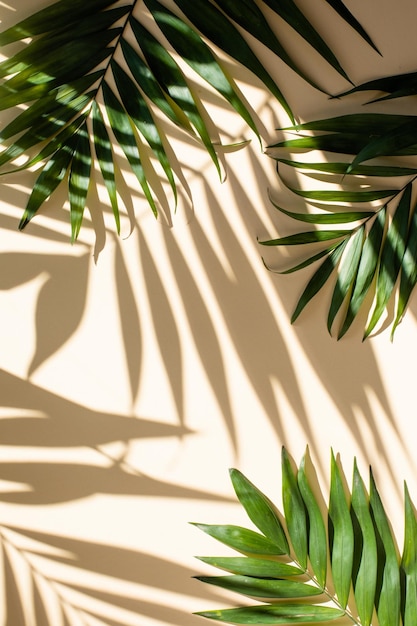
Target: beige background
131	384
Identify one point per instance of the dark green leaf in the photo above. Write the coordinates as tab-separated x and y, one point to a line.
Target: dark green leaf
409	561
341	217
339	6
275	614
306	262
391	257
318	279
389	592
366	270
341	168
247	566
317	538
343	143
408	271
141	116
313	236
218	28
79	180
365	578
294	510
122	130
366	124
345	196
346	274
289	11
389	84
198	55
242	539
171	79
390	143
52	18
261	587
341	535
260	510
48	180
104	153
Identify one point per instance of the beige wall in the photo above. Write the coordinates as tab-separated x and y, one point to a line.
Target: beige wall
129	386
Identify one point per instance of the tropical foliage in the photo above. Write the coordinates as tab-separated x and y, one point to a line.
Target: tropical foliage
100	74
367	224
314	563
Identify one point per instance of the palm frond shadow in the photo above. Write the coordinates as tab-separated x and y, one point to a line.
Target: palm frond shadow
55	564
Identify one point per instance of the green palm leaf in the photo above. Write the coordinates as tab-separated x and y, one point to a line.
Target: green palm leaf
68	70
362	579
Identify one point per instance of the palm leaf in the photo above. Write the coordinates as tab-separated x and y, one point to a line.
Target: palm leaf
363	577
382	238
68	69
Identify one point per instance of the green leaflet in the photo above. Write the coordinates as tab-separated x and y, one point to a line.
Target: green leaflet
141	116
289	11
242	539
294	510
261	587
409	562
317	539
408	271
260	510
52	18
319	278
171	79
213	24
346	275
79	180
275	614
388	84
365	574
394	141
342	539
341	168
306	262
104	153
367	124
247	566
198	55
341	217
122	130
313	236
391	257
363	558
388	600
348	17
344	196
48	180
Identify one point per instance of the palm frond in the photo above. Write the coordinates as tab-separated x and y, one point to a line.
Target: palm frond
96	74
341	563
377	223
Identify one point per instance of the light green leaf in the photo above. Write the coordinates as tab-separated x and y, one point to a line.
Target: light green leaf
79	180
247	566
365	576
261	587
275	614
317	537
346	274
341	535
242	539
389	594
366	270
342	217
344	196
260	510
294	510
319	278
306	262
391	257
